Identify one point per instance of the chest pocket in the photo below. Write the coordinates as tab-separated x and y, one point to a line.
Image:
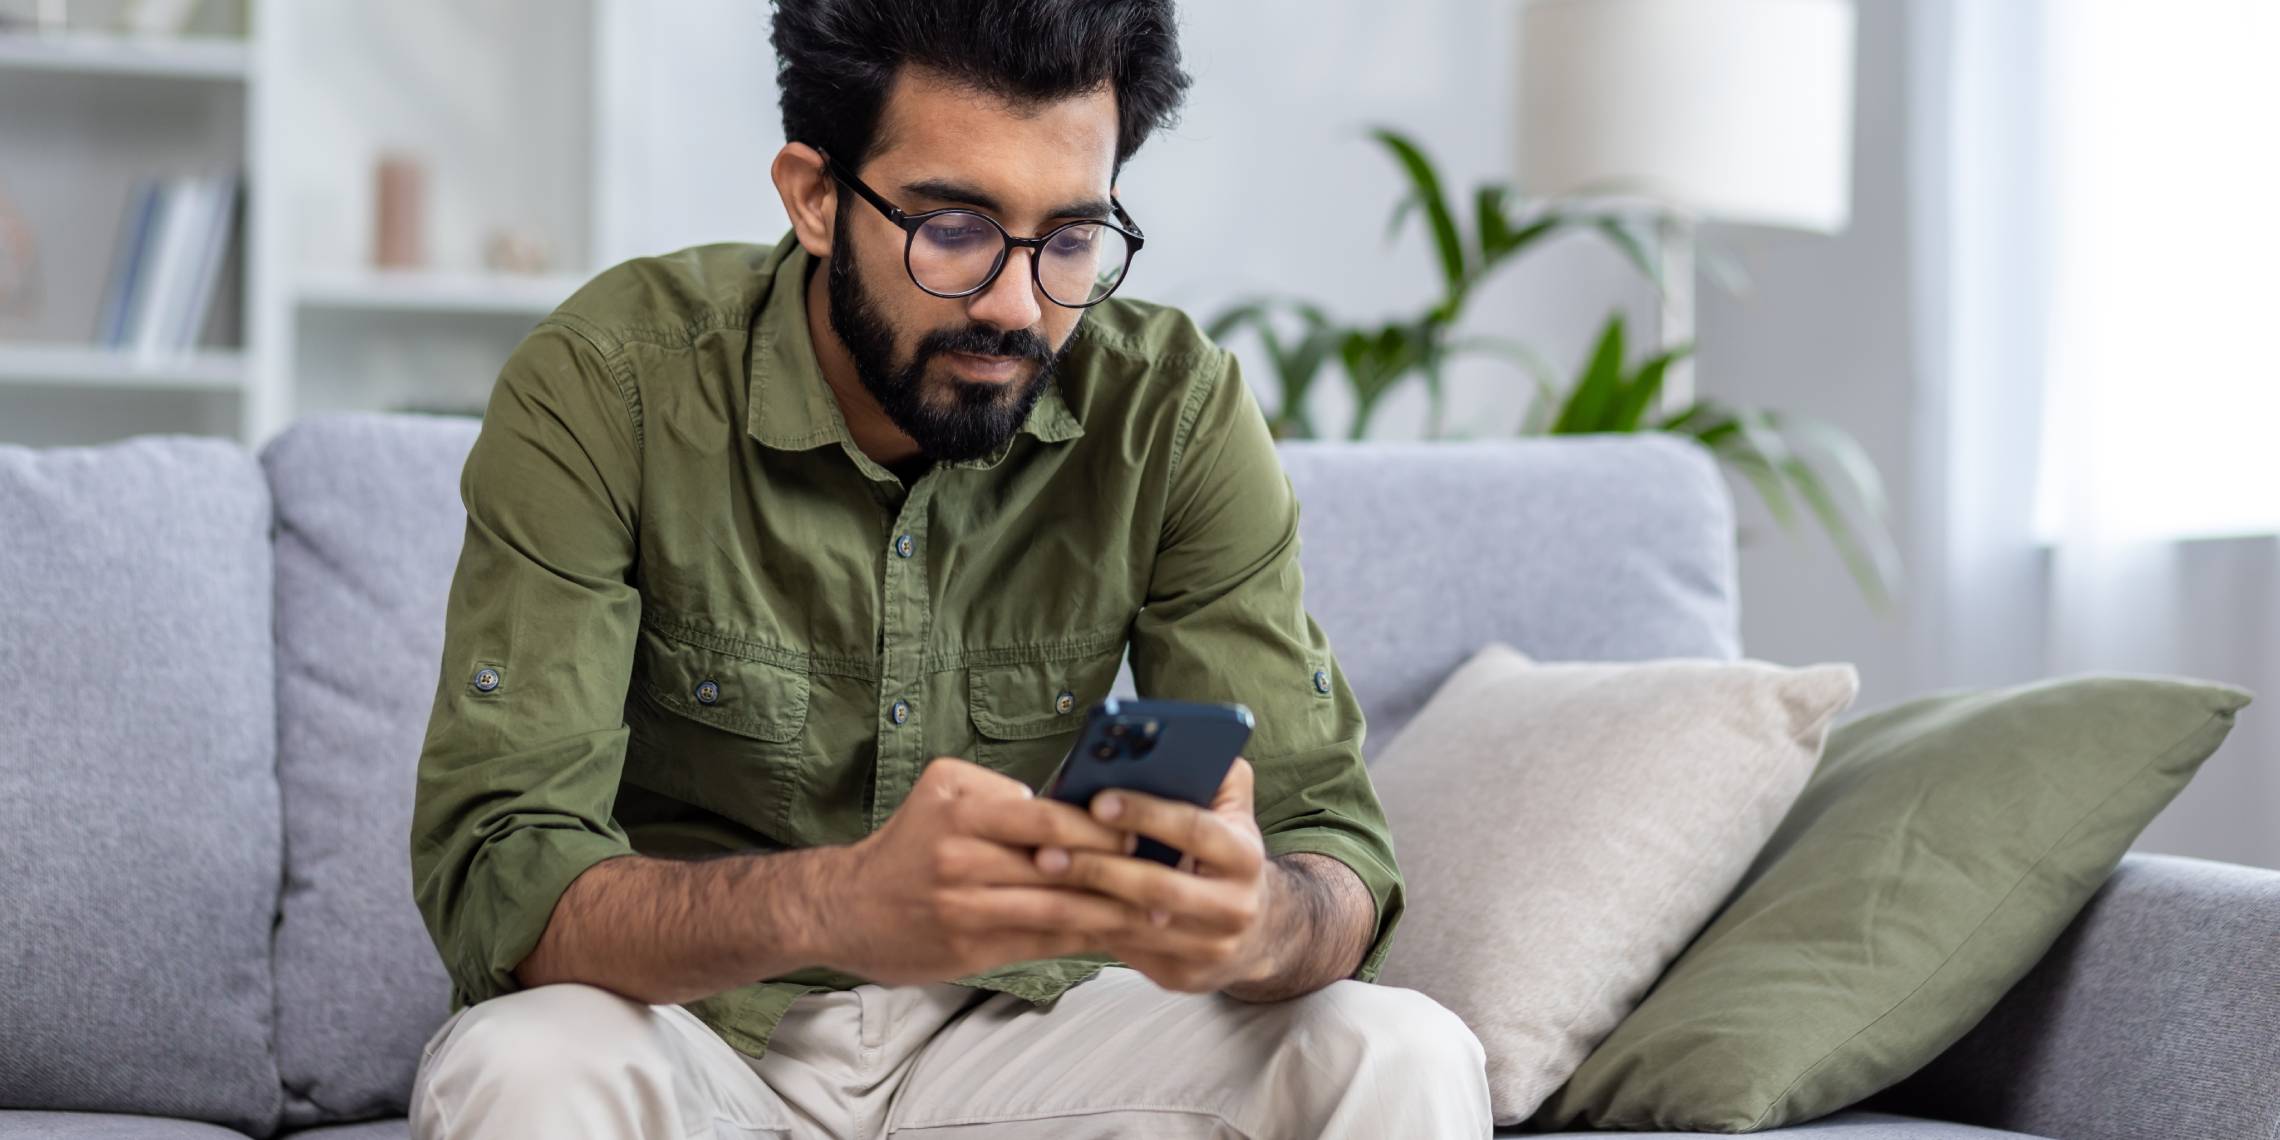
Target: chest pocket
718	726
732	691
1026	715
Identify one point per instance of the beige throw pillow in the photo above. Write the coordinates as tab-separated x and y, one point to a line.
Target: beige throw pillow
1564	830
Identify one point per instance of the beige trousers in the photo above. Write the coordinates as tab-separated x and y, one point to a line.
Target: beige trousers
1117	1056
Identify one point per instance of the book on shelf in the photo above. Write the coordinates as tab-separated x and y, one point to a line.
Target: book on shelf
173	241
126	262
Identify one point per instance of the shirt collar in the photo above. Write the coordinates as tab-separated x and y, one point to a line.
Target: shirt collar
789	404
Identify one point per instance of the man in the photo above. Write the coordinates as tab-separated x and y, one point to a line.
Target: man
789	574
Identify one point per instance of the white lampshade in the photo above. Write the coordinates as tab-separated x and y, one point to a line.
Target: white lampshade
1731	110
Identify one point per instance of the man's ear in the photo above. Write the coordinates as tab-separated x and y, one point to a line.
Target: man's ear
810	194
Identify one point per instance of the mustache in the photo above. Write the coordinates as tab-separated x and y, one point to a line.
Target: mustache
984	340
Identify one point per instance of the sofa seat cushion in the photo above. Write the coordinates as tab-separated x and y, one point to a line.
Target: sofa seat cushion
138	790
107	1126
395	1128
1842	1126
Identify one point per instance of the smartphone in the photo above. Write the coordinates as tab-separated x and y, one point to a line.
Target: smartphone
1176	750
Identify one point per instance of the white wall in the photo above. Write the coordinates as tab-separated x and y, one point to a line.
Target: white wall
685	126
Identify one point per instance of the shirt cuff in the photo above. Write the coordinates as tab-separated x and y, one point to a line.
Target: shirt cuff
1374	872
522	875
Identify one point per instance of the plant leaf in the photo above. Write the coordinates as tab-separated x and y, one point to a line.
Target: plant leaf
1872	553
1768	446
1619	234
1490	224
1540	409
1754	452
1541	375
1640	394
1682	419
1401	211
1537	230
1426	185
1852	460
1599	387
1770	488
1251	311
1515	351
1864	567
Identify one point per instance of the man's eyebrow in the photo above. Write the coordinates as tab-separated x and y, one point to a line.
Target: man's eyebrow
944	190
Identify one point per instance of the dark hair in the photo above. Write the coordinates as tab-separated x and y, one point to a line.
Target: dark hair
836	60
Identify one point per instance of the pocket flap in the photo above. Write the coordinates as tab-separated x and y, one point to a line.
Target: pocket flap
1039	698
732	691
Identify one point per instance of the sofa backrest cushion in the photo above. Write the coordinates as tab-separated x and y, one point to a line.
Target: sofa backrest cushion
1569	548
369	524
138	796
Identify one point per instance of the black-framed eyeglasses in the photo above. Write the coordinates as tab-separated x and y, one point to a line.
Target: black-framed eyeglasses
958	253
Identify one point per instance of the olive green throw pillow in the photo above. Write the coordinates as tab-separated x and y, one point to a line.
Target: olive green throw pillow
1940	848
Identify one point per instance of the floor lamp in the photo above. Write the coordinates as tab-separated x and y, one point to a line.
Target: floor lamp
1730	111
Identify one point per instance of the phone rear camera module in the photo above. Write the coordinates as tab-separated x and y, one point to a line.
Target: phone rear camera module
1105	751
1148	729
1119	729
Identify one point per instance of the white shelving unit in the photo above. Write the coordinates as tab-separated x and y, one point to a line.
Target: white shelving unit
52	364
602	129
436	293
93	53
301	97
88	113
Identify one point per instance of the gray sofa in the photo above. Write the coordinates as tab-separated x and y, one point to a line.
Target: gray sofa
215	670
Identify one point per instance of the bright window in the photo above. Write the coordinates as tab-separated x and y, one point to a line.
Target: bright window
2162	401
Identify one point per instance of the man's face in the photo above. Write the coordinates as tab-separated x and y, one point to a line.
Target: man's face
960	375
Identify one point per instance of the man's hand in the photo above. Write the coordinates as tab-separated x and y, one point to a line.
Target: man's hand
1255	928
946	887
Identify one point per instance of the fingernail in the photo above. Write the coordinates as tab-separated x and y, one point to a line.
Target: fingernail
1108	806
1158	918
1053	860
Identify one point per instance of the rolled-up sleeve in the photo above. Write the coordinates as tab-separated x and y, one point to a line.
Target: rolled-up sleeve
524	746
1224	620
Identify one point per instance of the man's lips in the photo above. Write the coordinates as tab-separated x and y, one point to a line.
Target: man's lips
986	367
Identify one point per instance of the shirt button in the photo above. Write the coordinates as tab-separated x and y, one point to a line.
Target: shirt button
1322	680
900	711
904	545
486	679
1064	702
707	692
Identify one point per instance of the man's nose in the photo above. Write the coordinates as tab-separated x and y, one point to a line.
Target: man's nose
1011	301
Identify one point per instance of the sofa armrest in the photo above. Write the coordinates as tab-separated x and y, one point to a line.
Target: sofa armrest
2157	1013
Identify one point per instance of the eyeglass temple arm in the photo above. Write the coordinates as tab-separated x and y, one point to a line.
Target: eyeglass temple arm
1126	221
847	178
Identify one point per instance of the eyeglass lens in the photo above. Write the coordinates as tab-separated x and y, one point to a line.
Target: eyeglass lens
955	252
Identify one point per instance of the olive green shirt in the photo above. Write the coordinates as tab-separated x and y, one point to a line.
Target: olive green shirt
690	617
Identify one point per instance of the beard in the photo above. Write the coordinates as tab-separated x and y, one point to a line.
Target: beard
967	419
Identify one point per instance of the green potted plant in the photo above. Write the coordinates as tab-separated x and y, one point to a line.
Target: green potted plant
1799	466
